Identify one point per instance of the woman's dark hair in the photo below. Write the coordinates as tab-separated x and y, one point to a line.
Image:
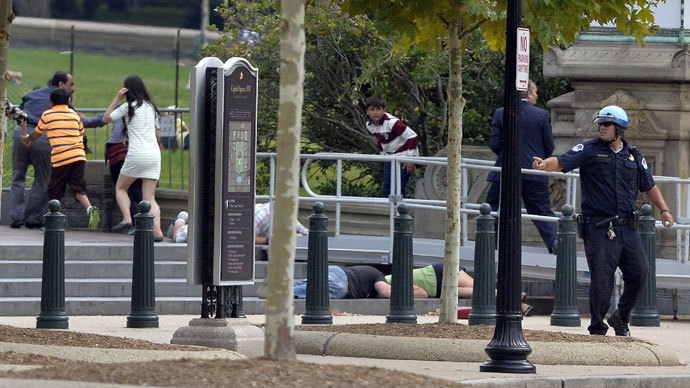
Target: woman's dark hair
59	76
136	91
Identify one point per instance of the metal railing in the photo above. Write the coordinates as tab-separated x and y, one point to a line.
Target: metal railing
682	225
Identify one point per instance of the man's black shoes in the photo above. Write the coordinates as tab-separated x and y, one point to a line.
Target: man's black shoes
34	225
620	327
16	224
554	247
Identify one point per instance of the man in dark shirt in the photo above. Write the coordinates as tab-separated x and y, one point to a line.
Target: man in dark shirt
537	139
356	282
364	281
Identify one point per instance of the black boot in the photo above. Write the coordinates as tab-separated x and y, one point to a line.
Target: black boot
620	327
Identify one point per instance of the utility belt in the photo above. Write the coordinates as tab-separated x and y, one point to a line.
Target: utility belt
631	220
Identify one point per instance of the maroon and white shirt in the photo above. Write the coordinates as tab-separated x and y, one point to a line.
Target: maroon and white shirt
393	136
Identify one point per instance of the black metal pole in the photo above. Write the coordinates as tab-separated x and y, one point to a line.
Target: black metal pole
402	292
508	350
52	314
143	307
318	301
71	53
238	308
484	288
177	70
645	312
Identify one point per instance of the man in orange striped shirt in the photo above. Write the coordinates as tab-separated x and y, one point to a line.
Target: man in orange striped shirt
65	132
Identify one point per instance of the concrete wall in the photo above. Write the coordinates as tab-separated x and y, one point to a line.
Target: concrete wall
106	38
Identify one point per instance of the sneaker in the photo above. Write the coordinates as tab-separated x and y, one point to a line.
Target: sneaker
183	215
34	225
94	218
16	224
620	327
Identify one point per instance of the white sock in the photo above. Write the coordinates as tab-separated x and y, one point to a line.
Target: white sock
88	210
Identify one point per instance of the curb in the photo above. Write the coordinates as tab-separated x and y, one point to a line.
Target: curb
623	381
108	355
444	349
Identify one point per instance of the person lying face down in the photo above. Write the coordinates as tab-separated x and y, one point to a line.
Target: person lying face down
355	282
427	284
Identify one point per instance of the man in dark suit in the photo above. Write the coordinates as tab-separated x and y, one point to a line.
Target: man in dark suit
537	139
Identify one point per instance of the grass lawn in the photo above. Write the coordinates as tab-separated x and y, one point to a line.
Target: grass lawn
97	79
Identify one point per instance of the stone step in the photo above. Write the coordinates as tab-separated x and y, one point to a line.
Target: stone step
543	305
31	287
93	251
115	269
91	269
191	305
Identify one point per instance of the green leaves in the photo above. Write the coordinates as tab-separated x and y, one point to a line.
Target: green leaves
425	23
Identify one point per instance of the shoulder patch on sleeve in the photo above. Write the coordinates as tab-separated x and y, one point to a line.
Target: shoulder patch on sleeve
644	163
578	148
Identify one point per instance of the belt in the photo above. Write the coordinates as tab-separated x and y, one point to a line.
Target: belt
604	220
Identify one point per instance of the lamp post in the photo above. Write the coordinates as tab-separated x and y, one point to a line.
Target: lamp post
508	349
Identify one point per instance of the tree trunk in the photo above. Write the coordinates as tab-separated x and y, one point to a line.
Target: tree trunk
279	340
6	17
451	259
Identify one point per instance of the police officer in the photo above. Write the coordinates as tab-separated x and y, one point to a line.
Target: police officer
611	172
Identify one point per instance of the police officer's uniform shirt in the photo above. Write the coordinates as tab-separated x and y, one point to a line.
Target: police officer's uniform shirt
610	180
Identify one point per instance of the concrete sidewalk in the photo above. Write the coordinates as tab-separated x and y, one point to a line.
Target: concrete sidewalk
671	336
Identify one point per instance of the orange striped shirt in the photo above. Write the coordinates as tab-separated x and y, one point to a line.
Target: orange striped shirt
65	133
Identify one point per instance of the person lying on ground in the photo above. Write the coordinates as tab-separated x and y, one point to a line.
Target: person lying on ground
355	282
262	225
427	284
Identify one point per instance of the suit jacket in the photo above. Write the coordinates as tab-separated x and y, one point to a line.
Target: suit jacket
537	139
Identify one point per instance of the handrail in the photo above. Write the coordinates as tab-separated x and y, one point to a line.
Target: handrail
682	225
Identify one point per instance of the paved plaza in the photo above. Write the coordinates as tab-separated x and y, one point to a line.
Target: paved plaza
672	336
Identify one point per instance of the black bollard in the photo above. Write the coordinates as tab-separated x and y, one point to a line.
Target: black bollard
52	314
645	312
402	293
317	303
565	311
484	289
143	310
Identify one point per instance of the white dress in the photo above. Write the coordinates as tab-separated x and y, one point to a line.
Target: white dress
143	158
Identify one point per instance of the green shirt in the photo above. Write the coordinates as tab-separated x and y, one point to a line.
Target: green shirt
424	278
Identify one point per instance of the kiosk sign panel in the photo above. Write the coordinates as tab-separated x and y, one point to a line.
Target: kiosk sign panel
235	173
202	148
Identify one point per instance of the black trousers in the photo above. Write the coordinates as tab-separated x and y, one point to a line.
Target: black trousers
535	196
626	252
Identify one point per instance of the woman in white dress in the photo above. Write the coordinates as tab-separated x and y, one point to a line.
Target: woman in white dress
143	160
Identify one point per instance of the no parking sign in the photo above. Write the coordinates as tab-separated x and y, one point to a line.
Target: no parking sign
522	62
